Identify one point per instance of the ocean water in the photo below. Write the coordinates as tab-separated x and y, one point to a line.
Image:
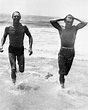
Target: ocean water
46	38
33	88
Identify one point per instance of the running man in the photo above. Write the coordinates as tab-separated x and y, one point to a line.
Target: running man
67	36
16	33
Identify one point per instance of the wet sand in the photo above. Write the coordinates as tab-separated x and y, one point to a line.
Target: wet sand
38	87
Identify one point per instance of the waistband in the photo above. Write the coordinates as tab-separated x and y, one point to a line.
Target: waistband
67	48
15	47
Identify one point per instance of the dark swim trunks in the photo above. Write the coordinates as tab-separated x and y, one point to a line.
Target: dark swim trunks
65	59
18	51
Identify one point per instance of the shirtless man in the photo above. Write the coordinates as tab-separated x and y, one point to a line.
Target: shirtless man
16	34
67	51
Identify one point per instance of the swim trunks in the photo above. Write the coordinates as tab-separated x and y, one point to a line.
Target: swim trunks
18	51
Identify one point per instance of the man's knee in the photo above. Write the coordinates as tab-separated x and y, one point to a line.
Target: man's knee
13	69
13	73
62	72
61	78
21	71
21	68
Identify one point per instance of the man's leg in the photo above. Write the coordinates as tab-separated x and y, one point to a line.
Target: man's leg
61	63
21	62
62	80
68	65
12	59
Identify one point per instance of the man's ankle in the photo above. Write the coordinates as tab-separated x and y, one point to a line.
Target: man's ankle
14	80
62	85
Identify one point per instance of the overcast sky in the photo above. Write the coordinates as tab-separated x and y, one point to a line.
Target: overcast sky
59	8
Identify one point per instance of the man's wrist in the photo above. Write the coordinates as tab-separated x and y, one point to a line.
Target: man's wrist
1	46
60	19
57	20
77	19
30	49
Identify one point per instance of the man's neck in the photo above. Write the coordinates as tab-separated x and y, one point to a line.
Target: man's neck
16	24
68	28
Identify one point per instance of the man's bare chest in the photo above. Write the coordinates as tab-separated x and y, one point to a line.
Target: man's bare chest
68	34
16	31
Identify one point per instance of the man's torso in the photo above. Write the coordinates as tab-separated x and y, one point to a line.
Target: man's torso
16	35
68	37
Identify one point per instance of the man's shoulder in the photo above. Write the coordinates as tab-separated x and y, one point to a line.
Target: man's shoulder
25	27
62	27
74	27
7	28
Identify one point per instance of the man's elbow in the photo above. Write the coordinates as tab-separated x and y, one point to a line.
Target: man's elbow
51	21
86	23
31	38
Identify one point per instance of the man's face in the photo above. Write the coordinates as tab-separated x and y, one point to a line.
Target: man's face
16	17
69	21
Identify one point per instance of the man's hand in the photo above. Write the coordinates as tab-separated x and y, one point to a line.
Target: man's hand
69	16
1	49
30	51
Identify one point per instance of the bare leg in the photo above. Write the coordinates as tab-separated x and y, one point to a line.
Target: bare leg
61	64
12	59
21	63
62	80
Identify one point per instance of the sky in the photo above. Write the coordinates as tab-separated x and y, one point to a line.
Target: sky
56	8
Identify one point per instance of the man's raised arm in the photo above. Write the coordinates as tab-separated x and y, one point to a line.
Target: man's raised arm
81	24
56	24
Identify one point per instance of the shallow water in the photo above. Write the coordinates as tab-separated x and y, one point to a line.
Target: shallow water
33	91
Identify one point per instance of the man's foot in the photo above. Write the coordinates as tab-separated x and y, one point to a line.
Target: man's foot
62	85
14	81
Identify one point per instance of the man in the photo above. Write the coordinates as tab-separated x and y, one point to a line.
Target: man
16	34
67	35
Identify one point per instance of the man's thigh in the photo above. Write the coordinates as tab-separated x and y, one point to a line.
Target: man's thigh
61	61
12	59
61	64
69	64
21	62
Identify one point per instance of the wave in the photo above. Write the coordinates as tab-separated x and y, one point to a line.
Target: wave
32	20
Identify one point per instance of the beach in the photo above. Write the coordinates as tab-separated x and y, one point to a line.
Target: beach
38	87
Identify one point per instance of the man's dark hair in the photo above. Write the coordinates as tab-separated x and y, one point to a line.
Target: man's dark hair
16	12
70	16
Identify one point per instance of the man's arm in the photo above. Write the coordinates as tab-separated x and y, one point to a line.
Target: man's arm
30	40
81	24
56	24
3	39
